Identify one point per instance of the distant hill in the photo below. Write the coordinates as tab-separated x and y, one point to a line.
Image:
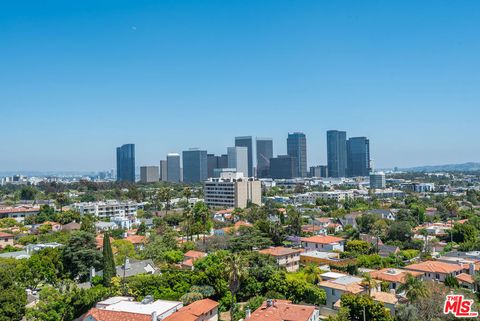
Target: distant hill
466	167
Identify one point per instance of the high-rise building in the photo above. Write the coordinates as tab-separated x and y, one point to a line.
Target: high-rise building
377	180
149	174
194	165
319	171
232	190
337	153
246	141
297	147
214	162
238	159
126	163
163	170
173	168
358	156
283	167
264	153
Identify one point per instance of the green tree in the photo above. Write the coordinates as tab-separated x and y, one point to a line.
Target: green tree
358	247
28	193
62	199
88	224
369	283
165	194
109	270
202	214
13	297
187	193
360	304
80	254
142	229
451	281
413	288
44	267
237	271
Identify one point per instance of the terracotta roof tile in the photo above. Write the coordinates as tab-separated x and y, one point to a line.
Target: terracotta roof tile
323	239
283	310
107	315
192	311
393	275
466	278
280	251
434	267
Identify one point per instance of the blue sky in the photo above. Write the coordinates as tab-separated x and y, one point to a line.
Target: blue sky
79	78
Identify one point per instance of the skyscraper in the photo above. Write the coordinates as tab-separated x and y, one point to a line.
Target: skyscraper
246	141
173	168
283	167
214	161
337	153
264	153
358	156
194	165
149	174
126	163
238	159
163	170
297	147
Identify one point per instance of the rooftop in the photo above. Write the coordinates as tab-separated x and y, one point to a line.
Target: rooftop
192	311
160	306
279	251
282	310
392	275
434	267
323	239
106	315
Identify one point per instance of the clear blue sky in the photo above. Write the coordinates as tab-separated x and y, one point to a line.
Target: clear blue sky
78	78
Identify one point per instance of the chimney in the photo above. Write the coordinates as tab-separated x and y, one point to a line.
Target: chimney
269	303
471	269
154	316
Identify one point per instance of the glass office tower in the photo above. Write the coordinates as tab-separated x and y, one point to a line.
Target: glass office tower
297	148
337	153
126	163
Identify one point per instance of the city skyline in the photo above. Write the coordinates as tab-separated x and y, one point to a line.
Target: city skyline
79	80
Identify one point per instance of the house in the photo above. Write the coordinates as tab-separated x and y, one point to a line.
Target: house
154	310
389	300
281	310
55	226
72	226
350	219
394	277
95	314
435	270
201	310
317	257
287	258
334	289
387	250
6	239
136	267
323	243
190	257
467	281
223	215
374	240
18	213
383	214
99	240
105	226
138	241
231	229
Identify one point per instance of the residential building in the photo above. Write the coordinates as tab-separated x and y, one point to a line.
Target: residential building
194	166
287	258
334	289
283	167
247	142
190	257
29	250
264	154
201	310
358	156
108	209
6	239
389	300
336	153
318	257
394	277
323	243
238	159
232	190
95	314
418	187
163	170
19	213
282	310
377	180
126	163
149	174
297	148
173	168
319	171
435	270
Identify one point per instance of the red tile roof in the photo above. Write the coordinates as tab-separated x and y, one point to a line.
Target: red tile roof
193	311
136	239
280	251
393	275
6	210
194	254
323	239
107	315
434	267
465	278
283	310
2	234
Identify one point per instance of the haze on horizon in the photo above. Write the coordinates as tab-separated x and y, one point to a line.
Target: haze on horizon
79	79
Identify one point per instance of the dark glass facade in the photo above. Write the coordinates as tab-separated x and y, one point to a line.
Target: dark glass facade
214	161
297	148
358	156
337	153
126	163
264	154
283	167
195	166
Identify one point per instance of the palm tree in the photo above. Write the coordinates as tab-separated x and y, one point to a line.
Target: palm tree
369	283
187	219
476	279
312	273
413	288
187	193
166	196
451	205
237	271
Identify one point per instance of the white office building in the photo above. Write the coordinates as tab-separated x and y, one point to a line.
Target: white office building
232	190
238	158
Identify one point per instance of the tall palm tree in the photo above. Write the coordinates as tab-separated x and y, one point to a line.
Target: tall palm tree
312	273
369	283
187	193
237	271
166	196
187	219
413	288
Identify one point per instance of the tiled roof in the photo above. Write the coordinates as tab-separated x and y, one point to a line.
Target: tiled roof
349	288
466	278
282	310
434	267
194	254
393	275
385	297
22	209
192	311
107	315
136	239
323	239
279	251
2	234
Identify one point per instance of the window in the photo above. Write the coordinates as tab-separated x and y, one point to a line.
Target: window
333	291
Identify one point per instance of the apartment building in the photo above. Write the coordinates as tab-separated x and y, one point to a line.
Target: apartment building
108	209
232	190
